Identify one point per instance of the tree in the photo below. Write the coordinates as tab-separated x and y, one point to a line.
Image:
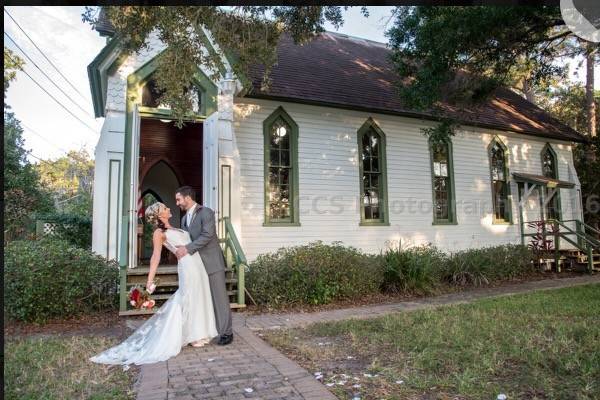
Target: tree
485	42
569	104
23	195
12	64
247	33
70	180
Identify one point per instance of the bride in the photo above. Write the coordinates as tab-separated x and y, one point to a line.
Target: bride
186	318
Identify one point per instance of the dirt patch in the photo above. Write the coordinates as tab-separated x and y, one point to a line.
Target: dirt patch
105	324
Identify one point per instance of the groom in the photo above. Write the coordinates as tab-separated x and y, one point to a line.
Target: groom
199	221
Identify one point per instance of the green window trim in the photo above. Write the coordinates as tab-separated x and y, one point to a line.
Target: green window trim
509	219
547	149
383	220
451	198
293	187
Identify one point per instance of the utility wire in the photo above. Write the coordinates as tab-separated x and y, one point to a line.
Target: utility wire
43	54
66	153
44	139
53	98
46	75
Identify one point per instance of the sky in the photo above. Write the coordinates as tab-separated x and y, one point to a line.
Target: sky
70	44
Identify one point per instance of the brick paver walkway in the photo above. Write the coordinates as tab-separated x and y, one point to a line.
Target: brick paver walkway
250	368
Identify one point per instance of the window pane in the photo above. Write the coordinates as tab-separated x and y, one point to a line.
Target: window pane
285	158
375	212
440	168
368	212
280	134
366	145
366	164
273	177
284	174
375	164
374	141
374	181
274	161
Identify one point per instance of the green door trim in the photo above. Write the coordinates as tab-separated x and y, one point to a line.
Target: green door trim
135	82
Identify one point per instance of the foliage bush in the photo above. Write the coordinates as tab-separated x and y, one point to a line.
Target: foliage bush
73	228
488	264
415	270
51	278
315	273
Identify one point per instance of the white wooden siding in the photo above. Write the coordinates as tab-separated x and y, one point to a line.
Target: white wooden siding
329	181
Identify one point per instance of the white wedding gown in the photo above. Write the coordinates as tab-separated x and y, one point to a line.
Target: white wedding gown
187	316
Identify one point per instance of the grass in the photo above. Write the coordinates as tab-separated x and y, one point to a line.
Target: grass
58	368
541	345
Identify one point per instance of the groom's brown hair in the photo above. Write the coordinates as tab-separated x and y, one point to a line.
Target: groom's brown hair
187	191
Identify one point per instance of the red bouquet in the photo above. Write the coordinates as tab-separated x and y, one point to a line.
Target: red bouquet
139	297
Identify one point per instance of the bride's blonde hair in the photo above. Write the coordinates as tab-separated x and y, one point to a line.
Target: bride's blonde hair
152	212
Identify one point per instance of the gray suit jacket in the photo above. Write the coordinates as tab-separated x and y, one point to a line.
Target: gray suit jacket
205	241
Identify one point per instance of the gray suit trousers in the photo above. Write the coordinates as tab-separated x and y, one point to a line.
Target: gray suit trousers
220	302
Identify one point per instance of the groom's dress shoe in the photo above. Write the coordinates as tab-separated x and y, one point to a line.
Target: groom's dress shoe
225	339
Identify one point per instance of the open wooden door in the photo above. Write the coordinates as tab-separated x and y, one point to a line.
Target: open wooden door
133	189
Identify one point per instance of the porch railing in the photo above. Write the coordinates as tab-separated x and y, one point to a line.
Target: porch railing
235	258
578	237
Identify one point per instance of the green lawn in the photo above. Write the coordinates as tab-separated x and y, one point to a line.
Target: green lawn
58	368
542	345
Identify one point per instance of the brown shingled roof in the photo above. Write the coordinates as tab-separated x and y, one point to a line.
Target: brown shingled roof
341	71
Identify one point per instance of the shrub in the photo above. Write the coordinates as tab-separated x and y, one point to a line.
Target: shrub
414	270
75	229
315	273
482	266
51	278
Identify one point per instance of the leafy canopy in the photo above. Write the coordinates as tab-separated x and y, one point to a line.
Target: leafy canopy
12	64
70	181
493	45
248	34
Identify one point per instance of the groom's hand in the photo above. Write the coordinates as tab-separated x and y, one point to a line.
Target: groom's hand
181	252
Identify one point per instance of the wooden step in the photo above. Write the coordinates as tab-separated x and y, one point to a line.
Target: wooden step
233	306
161	270
162	283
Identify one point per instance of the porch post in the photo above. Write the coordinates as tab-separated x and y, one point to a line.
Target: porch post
542	214
229	158
520	190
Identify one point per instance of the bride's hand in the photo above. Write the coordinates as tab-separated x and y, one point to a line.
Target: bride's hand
150	287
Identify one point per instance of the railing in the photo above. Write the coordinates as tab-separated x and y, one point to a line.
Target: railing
583	229
584	241
235	258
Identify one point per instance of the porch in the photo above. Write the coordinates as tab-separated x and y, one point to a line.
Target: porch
560	243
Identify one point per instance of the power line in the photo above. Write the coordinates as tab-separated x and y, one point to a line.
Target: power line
53	98
43	54
50	79
66	153
44	139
